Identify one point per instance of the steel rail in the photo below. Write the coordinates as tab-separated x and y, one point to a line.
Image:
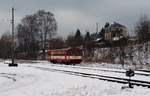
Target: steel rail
99	69
96	76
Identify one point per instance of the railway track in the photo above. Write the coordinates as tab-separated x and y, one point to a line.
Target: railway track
79	67
9	76
96	76
82	67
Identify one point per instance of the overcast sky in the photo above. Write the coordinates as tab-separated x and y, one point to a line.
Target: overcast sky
73	14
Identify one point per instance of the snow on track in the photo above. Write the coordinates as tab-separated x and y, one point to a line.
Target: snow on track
96	76
102	69
35	82
98	72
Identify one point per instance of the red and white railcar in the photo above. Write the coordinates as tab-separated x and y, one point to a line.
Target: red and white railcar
66	56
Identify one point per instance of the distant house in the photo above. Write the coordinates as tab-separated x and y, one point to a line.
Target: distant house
133	40
115	32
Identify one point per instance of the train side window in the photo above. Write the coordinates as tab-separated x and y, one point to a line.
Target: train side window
68	53
74	52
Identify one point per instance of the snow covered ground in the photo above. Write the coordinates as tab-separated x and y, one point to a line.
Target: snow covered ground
28	81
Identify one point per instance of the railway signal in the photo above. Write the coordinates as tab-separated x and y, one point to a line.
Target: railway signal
130	73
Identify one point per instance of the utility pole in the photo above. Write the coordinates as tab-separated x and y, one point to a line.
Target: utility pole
13	42
96	27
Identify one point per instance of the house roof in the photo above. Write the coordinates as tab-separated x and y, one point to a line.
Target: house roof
117	25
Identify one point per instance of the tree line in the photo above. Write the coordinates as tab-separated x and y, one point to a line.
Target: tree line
37	33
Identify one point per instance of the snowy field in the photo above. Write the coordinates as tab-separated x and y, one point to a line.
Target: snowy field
28	81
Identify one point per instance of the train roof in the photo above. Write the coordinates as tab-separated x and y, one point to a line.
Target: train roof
64	49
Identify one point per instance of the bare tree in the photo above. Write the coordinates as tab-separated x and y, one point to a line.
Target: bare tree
56	43
35	31
47	27
70	41
27	32
142	29
5	46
